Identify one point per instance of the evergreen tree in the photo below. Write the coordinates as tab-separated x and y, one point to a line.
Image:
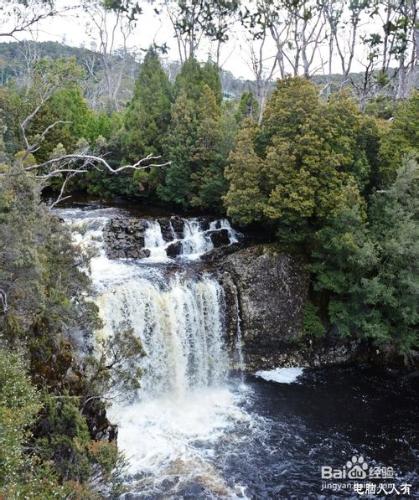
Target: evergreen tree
370	269
192	78
69	107
248	107
148	114
310	152
401	138
244	199
208	184
180	144
195	145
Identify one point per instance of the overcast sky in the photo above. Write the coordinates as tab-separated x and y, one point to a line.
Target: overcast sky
72	28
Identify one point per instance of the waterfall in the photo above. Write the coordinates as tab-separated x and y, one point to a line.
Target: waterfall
180	327
239	337
153	241
184	405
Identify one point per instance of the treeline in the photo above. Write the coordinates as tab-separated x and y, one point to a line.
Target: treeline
186	122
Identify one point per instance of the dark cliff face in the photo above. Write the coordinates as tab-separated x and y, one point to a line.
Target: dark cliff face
270	289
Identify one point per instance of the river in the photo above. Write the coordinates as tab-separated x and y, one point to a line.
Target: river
198	430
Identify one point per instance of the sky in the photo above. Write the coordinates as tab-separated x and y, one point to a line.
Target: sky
72	28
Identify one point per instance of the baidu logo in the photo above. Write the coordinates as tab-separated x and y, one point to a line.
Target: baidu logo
356	468
357	477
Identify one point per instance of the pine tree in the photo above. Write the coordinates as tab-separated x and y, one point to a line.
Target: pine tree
148	114
195	145
244	199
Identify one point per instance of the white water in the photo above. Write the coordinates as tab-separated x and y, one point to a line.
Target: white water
185	406
281	375
195	240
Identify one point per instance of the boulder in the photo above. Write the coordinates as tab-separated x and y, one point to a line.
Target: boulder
124	238
219	237
204	223
166	229
174	249
178	225
141	253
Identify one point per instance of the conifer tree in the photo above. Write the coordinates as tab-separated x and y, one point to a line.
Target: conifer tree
244	199
148	115
195	145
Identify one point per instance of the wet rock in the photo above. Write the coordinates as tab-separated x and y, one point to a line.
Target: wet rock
219	253
124	238
178	225
204	224
219	237
174	249
166	229
270	288
142	253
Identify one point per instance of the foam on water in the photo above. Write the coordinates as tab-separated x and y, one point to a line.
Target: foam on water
195	240
281	375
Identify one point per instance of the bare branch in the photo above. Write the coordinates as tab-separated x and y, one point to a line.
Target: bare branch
139	165
3	300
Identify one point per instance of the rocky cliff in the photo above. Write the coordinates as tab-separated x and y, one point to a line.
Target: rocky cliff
269	288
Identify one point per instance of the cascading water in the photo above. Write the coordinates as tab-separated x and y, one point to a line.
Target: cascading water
194	239
184	405
180	327
194	434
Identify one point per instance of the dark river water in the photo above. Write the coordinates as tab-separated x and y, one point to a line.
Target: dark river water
323	419
331	415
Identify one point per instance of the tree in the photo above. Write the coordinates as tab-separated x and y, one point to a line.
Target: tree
248	107
19	16
400	139
370	269
148	114
69	110
192	20
107	20
179	147
19	405
245	199
192	77
43	308
208	184
194	142
309	152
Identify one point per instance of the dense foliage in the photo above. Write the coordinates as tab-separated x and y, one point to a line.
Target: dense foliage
50	396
